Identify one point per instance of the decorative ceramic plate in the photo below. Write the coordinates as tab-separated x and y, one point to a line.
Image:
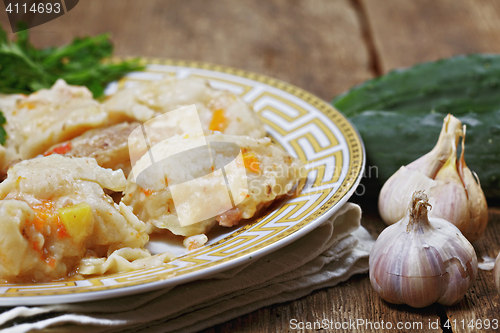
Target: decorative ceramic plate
301	123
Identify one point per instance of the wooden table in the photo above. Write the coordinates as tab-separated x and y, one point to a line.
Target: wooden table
324	46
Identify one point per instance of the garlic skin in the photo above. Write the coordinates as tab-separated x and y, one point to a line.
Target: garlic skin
478	207
431	163
496	273
418	175
454	193
422	260
448	197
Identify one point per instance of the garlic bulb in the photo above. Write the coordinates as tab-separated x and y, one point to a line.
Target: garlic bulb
422	260
454	193
496	272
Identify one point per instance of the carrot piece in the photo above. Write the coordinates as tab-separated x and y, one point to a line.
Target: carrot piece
62	149
51	262
147	191
219	121
251	161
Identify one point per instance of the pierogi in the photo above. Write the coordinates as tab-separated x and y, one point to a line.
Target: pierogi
107	145
51	116
65	151
218	110
268	172
56	216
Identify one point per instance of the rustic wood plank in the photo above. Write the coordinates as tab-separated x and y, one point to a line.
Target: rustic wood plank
314	44
408	32
331	308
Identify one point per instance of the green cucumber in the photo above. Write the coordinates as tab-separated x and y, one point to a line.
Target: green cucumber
399	115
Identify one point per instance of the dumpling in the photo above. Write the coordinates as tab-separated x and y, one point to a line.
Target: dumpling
51	116
55	214
107	145
256	171
8	155
112	147
218	110
8	102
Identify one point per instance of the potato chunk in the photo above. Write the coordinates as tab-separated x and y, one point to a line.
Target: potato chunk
78	220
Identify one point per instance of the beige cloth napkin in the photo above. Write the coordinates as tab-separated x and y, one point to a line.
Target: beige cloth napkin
326	256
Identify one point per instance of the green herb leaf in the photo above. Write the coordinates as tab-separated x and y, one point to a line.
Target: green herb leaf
25	69
3	133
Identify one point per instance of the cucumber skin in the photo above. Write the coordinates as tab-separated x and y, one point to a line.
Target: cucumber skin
399	115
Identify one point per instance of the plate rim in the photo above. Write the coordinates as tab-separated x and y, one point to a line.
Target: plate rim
316	221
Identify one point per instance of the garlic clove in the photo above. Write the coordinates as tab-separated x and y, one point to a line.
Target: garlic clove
419	174
422	260
449	198
396	193
431	163
478	207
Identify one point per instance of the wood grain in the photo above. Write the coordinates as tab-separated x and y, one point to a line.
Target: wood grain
314	44
346	303
408	32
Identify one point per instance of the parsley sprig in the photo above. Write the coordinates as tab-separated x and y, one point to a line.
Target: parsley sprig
25	69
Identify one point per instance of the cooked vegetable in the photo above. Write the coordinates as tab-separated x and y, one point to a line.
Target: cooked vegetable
410	104
77	220
219	121
25	69
251	161
422	260
453	191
